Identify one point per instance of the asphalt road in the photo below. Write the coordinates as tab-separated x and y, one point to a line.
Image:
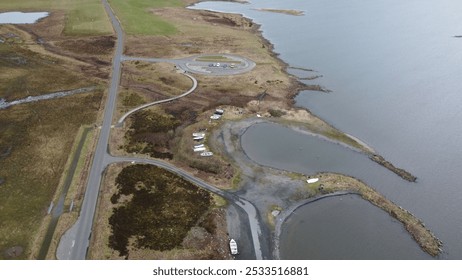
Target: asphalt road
75	242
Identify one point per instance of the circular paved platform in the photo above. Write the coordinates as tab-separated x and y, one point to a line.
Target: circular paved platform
217	64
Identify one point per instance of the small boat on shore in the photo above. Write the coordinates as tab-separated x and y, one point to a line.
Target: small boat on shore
206	154
233	247
312	180
198	134
201	149
199	146
197	138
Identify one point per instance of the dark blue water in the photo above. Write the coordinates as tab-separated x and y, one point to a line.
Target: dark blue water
394	68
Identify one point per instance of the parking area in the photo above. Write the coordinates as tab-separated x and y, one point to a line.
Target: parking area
218	64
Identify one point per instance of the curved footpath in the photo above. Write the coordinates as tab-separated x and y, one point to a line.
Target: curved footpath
75	242
194	86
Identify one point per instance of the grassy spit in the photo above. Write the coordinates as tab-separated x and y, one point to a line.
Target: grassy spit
281	11
331	183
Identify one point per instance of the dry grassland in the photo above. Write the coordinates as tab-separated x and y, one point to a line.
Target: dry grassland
40	135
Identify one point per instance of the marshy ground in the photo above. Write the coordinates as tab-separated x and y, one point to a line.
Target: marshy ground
39	135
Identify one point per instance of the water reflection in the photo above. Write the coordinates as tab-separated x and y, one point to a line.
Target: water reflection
345	227
342	227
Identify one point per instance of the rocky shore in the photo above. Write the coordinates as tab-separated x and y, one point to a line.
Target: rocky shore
398	171
271	189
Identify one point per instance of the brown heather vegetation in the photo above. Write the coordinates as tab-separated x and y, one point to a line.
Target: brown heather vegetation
149	213
151	133
38	136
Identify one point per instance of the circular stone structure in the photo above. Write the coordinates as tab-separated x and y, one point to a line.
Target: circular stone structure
217	64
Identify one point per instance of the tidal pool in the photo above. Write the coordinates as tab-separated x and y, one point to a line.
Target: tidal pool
344	227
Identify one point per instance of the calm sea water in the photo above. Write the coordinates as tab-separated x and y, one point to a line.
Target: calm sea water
394	68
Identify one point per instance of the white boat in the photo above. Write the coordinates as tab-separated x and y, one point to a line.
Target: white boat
206	154
199	146
219	111
201	149
312	180
197	134
233	247
215	117
198	137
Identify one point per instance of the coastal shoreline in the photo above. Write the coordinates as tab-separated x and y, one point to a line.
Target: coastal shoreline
261	183
402	215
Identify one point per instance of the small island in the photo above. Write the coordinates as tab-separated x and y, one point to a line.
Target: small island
287	12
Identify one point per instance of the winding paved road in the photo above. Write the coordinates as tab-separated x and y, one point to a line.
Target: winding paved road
194	86
74	243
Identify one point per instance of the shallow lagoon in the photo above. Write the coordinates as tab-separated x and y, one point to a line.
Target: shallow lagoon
345	227
21	18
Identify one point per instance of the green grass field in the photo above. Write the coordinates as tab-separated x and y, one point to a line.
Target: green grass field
137	20
84	17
